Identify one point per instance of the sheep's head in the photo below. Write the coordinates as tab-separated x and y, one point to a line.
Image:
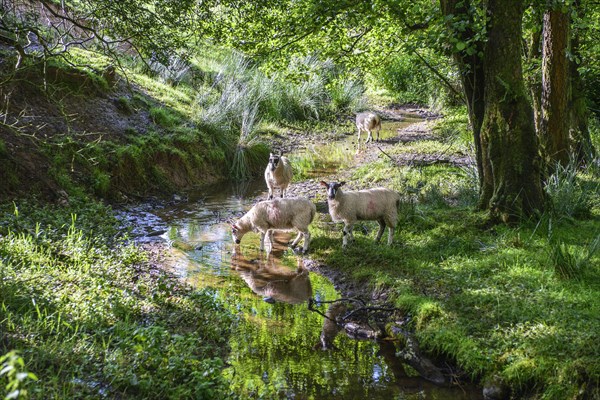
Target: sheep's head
236	234
274	160
332	188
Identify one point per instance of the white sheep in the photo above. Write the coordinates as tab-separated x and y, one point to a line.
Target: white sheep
368	121
377	204
278	174
278	214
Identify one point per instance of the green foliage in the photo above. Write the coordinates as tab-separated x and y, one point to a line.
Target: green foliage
164	117
12	369
93	319
408	83
569	195
572	262
124	104
515	302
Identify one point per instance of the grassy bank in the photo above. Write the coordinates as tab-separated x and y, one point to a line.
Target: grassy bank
90	315
519	304
137	130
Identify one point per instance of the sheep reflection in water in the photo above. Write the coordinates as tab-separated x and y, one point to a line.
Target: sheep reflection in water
272	281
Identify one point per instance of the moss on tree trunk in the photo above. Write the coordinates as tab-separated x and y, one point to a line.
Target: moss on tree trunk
512	186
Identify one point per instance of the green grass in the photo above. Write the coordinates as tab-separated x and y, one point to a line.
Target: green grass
520	303
91	317
488	298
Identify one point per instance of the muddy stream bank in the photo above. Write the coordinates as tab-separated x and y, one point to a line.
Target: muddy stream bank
285	344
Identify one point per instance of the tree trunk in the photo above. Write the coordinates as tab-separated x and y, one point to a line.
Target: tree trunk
471	73
555	117
512	185
579	134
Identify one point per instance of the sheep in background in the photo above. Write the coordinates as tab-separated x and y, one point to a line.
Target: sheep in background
368	121
378	204
278	174
277	214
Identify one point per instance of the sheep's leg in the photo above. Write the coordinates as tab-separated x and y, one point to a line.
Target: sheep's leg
306	241
297	240
347	235
369	136
381	229
378	130
262	241
358	141
271	242
270	193
390	235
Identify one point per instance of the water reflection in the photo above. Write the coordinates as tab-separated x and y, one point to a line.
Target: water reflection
268	278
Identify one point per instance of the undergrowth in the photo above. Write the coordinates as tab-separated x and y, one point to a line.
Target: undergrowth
92	317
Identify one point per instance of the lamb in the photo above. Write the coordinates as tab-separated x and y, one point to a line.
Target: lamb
377	204
368	121
278	214
278	174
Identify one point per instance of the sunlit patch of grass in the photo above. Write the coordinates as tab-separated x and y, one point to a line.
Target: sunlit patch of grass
91	317
179	98
319	160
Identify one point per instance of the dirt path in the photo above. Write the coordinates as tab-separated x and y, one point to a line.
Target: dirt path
418	131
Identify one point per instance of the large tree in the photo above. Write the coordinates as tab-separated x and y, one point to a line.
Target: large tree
512	181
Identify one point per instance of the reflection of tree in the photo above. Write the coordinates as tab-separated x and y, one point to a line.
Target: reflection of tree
331	326
275	282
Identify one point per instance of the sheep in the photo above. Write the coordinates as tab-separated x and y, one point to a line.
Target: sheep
278	174
377	204
278	214
368	121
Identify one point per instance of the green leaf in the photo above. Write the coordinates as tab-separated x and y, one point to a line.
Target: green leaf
461	46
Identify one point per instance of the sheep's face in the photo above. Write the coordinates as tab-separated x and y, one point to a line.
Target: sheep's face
332	188
236	234
273	161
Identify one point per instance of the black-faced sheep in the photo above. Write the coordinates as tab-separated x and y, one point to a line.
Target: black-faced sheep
377	204
368	121
278	214
278	174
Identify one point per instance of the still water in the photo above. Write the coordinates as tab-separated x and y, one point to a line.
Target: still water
275	347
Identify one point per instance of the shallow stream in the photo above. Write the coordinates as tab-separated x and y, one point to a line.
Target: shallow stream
275	348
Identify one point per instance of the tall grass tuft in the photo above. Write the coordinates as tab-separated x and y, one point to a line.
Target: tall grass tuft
249	151
570	262
347	96
239	95
567	196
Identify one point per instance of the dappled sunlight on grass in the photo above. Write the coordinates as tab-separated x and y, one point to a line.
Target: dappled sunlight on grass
486	296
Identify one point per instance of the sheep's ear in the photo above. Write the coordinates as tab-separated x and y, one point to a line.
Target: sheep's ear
342	183
323	183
